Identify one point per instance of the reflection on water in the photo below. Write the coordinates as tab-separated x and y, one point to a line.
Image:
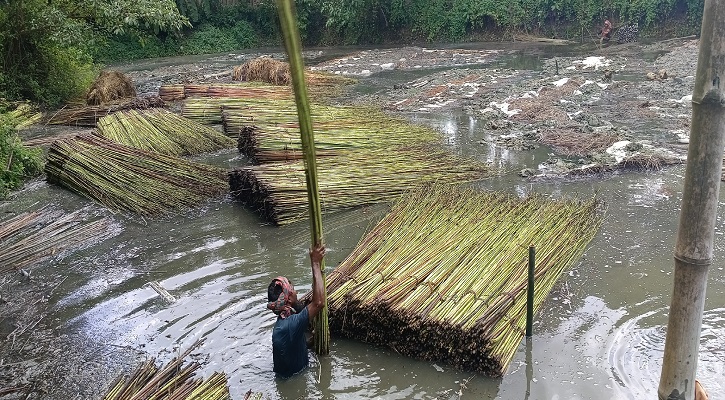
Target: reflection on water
599	335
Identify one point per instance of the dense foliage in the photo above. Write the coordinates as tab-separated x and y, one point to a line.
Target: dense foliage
45	45
359	21
17	163
49	47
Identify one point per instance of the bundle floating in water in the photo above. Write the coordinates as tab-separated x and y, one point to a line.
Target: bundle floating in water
283	143
161	131
89	115
31	237
235	90
173	381
278	190
126	178
443	277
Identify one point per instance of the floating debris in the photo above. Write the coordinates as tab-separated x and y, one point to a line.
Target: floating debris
443	277
162	131
574	140
161	291
125	178
278	190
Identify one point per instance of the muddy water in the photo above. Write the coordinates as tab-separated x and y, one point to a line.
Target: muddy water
600	333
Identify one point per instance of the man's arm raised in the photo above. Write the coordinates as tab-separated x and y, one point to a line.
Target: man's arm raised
318	285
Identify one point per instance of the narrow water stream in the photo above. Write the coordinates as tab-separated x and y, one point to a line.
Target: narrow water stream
600	333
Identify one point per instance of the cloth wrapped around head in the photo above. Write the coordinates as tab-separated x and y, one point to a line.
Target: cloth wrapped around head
283	305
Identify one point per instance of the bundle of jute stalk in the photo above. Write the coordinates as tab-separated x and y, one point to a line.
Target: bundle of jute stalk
31	237
280	143
173	381
161	131
443	276
269	131
261	111
264	110
172	92
281	114
277	190
125	178
265	69
89	115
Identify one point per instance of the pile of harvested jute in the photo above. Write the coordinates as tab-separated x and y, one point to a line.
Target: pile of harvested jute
89	115
278	192
443	277
125	178
161	131
173	381
33	236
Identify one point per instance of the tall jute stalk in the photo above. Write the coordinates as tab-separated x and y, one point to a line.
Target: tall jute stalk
695	236
288	21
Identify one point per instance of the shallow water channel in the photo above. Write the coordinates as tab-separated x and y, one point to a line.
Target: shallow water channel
599	335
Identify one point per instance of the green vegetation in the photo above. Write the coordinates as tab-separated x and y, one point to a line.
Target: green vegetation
17	162
46	46
375	20
50	50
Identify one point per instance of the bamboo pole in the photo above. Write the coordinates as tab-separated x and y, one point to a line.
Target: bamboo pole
530	293
695	237
288	21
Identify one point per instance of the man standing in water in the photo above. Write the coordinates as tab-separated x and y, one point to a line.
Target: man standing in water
289	346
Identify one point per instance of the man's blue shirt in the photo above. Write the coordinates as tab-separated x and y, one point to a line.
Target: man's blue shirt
289	347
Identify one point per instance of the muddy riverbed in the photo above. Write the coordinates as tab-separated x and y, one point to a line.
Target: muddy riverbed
74	323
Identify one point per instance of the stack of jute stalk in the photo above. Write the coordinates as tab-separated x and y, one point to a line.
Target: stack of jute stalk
173	381
125	178
279	143
209	111
89	115
161	131
31	237
277	190
172	92
234	90
269	130
443	277
265	113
